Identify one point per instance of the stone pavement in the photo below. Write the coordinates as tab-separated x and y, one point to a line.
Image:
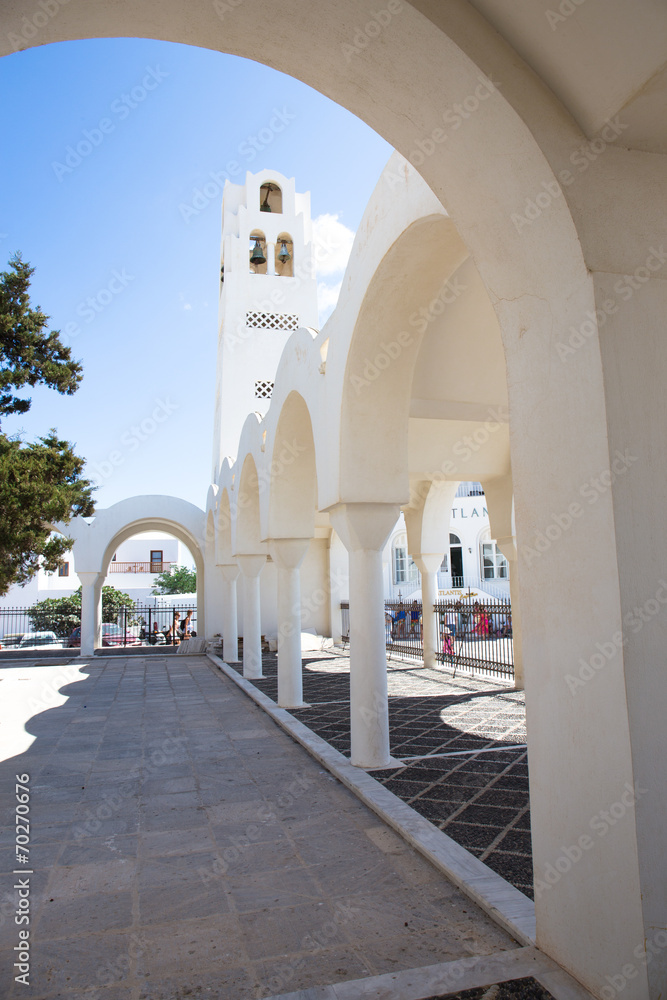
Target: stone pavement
462	742
182	844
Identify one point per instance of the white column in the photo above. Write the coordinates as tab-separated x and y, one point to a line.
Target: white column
288	554
90	611
230	625
270	258
364	529
428	564
214	597
251	566
98	611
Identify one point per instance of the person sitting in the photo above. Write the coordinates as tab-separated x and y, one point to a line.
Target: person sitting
176	629
186	627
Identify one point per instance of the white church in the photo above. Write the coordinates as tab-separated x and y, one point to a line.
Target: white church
501	322
264	298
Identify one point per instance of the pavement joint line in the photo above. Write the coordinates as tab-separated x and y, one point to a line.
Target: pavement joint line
468	753
471	972
505	904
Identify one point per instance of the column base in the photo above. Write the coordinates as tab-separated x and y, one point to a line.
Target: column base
392	763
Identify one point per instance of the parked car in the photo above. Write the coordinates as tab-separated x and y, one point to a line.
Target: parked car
31	640
112	635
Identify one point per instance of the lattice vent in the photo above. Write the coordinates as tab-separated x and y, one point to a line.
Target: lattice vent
263	390
272	321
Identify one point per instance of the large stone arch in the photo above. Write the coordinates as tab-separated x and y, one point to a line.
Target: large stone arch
178	530
485	172
382	354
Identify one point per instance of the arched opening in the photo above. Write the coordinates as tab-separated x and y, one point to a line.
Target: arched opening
248	539
157	571
541	289
141	538
258	252
285	256
293	475
271	198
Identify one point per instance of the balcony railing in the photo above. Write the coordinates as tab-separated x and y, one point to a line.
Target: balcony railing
140	567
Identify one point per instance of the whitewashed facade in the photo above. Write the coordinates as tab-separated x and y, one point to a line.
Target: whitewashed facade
540	137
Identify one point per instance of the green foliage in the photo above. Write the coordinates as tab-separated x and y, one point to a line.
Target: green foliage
63	614
181	580
57	614
40	483
113	601
29	353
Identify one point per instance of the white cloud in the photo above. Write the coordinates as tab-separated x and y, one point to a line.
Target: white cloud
336	241
185	305
327	298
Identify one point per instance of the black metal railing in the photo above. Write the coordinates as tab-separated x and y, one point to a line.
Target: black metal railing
476	636
19	631
135	626
403	628
155	626
473	636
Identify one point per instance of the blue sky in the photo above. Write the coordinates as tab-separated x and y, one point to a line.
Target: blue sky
106	143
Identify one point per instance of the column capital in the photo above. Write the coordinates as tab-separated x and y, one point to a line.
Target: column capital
89	579
288	552
251	565
427	562
364	526
507	546
230	571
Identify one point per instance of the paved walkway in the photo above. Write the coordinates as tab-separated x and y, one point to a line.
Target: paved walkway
183	845
462	743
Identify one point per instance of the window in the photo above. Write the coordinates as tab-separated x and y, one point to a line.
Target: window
494	563
63	569
404	569
400	560
156	560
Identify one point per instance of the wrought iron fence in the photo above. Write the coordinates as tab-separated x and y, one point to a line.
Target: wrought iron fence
18	631
135	625
155	626
474	636
403	628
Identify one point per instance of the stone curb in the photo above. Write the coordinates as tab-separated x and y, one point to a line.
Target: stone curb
508	907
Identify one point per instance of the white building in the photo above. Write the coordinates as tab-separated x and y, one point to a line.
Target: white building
473	559
133	569
538	133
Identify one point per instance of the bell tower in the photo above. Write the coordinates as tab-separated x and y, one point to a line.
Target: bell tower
267	291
